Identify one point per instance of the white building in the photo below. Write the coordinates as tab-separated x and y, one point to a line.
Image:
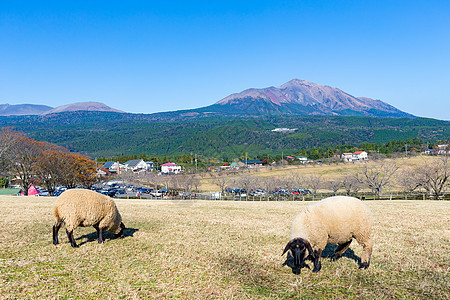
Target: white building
347	156
360	155
136	165
170	168
355	156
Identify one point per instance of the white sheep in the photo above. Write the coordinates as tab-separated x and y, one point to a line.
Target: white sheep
334	220
80	207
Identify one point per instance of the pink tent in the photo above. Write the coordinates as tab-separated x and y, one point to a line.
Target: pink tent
32	191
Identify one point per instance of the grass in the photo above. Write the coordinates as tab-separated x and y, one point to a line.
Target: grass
218	249
327	171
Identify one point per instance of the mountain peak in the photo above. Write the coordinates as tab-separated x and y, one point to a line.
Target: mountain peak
83	106
303	97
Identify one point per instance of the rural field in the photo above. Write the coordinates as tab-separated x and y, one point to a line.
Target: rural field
326	171
218	249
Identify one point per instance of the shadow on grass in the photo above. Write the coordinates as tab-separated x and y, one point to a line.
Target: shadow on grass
127	232
252	275
328	252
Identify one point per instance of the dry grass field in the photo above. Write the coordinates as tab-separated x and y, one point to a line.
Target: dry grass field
327	171
218	249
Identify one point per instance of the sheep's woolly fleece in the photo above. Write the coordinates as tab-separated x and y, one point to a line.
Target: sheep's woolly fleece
80	207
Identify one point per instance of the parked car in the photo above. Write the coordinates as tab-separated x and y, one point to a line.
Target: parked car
43	192
109	192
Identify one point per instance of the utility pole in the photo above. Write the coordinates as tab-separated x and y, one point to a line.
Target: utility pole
406	149
246	159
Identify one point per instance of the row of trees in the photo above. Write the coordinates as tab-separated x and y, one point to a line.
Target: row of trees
431	177
27	161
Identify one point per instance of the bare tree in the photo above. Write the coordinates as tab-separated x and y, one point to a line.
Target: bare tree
334	185
7	139
351	183
268	184
410	180
314	182
165	181
247	182
222	181
435	175
18	158
377	176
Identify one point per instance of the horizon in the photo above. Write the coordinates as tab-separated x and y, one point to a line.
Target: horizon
148	57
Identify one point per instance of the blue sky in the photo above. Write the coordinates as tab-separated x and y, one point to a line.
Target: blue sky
152	56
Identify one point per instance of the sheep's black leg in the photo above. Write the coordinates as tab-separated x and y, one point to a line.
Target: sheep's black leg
71	239
56	228
99	233
317	263
340	250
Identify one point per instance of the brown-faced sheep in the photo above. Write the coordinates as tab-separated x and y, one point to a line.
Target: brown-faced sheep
80	207
334	220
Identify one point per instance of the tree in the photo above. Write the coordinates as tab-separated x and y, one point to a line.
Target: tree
351	184
7	138
377	176
54	167
222	181
19	156
410	180
314	183
4	182
47	169
435	175
268	184
188	183
247	182
84	169
334	185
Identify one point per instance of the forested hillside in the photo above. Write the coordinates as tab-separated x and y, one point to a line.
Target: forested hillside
112	134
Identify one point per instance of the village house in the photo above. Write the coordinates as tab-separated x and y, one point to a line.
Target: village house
347	156
170	168
302	159
150	165
438	150
360	155
113	167
251	163
355	156
136	165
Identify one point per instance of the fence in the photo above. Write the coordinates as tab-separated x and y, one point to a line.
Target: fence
318	196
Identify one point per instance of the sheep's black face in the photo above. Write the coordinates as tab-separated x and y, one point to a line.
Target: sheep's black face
298	248
122	227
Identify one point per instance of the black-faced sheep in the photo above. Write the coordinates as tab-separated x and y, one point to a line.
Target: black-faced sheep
334	220
80	207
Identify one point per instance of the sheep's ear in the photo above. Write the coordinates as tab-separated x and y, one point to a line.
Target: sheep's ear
308	246
287	247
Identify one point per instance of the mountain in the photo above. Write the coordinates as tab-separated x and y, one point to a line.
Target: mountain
301	97
31	109
83	106
23	109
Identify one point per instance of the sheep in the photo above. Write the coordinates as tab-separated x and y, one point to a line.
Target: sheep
81	207
334	220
